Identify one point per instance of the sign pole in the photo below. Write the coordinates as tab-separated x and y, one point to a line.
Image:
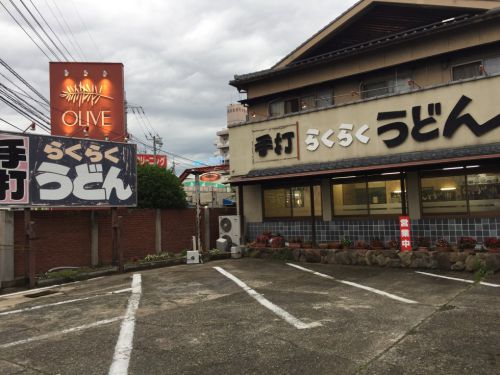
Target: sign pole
114	235
30	255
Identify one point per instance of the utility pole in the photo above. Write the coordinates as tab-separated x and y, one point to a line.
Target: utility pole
157	144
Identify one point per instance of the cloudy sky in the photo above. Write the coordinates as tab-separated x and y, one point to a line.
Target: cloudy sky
178	55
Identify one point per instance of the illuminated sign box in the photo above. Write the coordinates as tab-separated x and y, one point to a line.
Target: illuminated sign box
87	99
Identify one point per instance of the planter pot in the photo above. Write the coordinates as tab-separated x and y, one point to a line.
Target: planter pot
334	245
294	245
307	246
260	245
377	248
323	246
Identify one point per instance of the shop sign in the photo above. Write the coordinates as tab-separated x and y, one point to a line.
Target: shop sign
161	160
87	99
55	171
276	144
423	127
405	235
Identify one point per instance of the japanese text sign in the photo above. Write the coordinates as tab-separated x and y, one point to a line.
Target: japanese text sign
405	235
55	171
87	97
161	160
276	144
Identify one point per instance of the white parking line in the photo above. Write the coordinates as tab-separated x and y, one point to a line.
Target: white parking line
123	347
289	318
457	279
69	330
356	285
62	302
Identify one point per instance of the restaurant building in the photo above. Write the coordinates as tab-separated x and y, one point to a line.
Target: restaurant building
391	109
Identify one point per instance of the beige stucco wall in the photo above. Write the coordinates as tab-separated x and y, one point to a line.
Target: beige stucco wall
252	203
485	94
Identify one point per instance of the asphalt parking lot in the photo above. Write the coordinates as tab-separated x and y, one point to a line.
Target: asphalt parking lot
252	316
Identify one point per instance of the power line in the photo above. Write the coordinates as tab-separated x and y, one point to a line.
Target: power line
29	36
50	28
43	29
78	47
87	30
21	130
23	92
64	30
34	30
13	95
14	73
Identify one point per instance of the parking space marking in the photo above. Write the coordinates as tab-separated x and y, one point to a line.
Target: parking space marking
62	302
356	285
458	279
286	316
58	333
124	345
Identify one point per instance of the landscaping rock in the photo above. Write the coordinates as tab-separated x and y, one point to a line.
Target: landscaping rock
312	256
381	260
458	266
472	263
443	260
296	254
406	258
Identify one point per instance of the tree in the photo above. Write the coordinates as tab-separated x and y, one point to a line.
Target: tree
159	188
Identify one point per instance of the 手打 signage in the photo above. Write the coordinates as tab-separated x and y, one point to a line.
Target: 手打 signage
51	171
87	99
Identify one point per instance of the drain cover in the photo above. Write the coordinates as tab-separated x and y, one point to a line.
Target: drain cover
41	294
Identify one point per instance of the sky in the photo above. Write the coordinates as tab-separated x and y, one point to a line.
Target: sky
178	55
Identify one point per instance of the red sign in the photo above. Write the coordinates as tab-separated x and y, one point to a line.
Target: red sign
161	160
86	99
405	235
210	177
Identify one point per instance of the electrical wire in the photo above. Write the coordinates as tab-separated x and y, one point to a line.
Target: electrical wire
50	28
9	123
43	30
87	30
34	30
29	36
18	76
78	47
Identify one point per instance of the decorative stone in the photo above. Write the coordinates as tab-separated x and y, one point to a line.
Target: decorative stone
312	256
458	266
394	263
443	260
406	258
381	260
472	263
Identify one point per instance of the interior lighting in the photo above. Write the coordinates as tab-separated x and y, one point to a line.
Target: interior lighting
452	168
338	178
66	73
472	166
390	173
448	188
85	73
397	191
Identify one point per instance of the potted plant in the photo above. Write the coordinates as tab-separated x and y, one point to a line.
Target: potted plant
492	245
262	240
442	245
361	245
277	241
346	243
295	242
335	245
423	244
467	243
393	244
377	244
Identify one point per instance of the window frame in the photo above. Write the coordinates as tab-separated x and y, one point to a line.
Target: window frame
465	172
366	179
481	63
289	187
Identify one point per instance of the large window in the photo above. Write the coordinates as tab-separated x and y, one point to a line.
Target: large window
287	202
487	66
465	191
372	195
394	85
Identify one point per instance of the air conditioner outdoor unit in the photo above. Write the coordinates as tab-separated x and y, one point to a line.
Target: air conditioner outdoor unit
229	228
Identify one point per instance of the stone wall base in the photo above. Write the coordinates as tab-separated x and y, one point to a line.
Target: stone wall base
456	261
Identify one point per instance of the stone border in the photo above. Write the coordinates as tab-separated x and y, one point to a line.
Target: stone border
454	260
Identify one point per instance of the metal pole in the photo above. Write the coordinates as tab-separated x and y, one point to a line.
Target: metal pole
30	256
313	217
154	149
198	208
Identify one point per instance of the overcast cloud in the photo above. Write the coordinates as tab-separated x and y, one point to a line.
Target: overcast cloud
178	55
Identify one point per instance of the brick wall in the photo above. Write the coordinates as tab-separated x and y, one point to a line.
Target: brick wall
63	236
